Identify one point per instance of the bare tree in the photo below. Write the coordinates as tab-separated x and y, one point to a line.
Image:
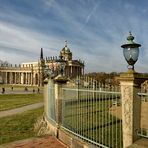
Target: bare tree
4	63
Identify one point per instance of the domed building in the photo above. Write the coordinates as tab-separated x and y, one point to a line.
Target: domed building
73	68
33	73
65	53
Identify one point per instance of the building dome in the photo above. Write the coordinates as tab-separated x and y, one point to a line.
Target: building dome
66	53
65	49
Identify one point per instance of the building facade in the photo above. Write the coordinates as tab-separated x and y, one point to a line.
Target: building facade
33	73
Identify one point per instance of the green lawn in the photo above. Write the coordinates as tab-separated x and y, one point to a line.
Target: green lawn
18	127
10	101
18	88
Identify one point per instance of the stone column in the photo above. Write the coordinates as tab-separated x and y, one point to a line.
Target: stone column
19	79
15	75
6	78
131	106
30	78
22	77
11	77
26	78
46	81
59	82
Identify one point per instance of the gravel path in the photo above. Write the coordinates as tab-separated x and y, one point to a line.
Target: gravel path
44	142
20	109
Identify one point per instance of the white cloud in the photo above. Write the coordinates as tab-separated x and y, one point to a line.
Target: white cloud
25	40
94	31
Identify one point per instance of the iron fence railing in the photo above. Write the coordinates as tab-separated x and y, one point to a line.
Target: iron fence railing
51	102
144	115
93	114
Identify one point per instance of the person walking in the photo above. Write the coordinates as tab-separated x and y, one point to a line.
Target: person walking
33	90
3	90
38	90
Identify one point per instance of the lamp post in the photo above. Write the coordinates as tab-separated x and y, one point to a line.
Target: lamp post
131	104
131	51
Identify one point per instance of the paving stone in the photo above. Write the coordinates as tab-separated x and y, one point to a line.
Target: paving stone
43	142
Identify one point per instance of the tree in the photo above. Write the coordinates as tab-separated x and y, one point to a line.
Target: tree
4	63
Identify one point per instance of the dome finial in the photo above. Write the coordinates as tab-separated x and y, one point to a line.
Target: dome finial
130	37
66	43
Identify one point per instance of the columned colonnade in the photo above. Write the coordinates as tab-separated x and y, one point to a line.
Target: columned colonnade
24	78
73	71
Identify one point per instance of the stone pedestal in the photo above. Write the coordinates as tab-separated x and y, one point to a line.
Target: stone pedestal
131	106
46	81
60	81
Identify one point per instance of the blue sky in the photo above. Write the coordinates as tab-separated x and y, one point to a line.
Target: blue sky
95	30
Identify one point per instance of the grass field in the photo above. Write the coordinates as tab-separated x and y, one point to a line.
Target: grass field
9	101
19	88
18	127
16	86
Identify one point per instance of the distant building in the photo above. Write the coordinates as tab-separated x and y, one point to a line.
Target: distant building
32	73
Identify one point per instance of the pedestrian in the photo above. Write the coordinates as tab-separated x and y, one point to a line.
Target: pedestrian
3	90
38	90
12	88
26	89
33	90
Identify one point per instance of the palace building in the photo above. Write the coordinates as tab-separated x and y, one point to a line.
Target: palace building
33	73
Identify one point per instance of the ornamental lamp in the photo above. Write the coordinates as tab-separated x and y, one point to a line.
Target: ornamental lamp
131	51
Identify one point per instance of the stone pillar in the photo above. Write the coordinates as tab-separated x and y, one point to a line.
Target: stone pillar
131	106
11	77
6	78
22	77
30	78
46	81
59	82
15	75
19	80
27	78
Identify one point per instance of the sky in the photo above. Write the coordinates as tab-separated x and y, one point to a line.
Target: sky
94	29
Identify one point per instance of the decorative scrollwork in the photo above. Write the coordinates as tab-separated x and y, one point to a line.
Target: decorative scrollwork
127	104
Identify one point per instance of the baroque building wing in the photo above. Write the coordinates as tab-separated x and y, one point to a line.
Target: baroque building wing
32	73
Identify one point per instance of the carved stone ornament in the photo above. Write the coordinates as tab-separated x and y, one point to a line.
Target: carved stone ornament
127	108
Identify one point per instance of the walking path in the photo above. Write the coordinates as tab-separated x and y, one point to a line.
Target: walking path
20	109
44	142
